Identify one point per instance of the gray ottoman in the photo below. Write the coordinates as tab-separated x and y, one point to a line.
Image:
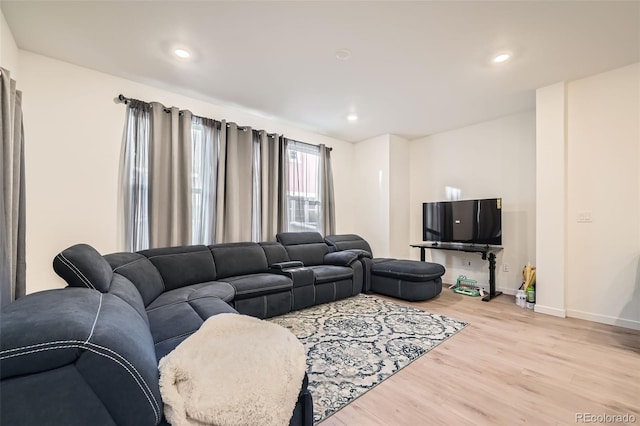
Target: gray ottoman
407	279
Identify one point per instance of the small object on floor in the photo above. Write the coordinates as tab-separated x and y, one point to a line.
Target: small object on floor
467	287
467	291
521	299
531	294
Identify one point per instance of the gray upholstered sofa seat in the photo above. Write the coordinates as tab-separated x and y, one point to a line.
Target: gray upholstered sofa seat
405	279
337	275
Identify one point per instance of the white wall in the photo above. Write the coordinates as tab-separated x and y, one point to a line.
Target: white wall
8	49
382	199
603	176
371	193
73	132
551	233
486	160
399	197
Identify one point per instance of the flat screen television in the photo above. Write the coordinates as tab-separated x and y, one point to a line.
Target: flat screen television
463	221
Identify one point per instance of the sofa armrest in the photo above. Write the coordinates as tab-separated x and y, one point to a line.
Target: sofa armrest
362	254
340	258
83	357
284	265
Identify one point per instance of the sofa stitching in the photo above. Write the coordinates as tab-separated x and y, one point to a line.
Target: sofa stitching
95	321
177	254
127	264
88	346
78	344
76	271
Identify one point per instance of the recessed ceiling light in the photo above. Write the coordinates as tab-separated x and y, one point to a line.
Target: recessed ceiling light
352	116
182	53
343	54
501	57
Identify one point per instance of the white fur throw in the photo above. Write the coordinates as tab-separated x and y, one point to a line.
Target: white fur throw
235	370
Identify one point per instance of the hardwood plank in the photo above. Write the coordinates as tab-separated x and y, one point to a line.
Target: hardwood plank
509	366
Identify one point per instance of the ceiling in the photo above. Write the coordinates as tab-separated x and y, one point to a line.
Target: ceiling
416	68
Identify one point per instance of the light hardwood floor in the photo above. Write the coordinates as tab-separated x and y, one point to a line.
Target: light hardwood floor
509	366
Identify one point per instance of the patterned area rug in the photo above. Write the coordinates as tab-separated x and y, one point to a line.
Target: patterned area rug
356	343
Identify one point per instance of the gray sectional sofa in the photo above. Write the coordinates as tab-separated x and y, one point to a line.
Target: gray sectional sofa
88	354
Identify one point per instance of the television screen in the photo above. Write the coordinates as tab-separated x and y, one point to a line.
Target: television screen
463	221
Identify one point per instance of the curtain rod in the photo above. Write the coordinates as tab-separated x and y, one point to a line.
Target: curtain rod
121	99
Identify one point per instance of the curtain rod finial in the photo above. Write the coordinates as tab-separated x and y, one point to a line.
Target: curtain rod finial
120	99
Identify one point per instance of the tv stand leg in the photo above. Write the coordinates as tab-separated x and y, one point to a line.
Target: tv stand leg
492	279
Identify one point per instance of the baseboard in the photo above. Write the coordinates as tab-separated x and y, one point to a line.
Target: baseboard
507	290
547	310
604	319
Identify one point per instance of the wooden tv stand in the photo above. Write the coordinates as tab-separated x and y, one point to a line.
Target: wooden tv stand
487	252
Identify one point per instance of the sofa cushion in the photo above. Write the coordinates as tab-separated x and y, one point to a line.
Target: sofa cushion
330	273
409	270
82	266
140	271
254	285
308	247
182	266
235	259
176	314
348	242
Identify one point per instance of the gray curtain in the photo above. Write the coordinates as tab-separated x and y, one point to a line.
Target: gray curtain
156	177
192	180
169	177
12	201
268	186
207	135
235	186
134	180
249	195
326	192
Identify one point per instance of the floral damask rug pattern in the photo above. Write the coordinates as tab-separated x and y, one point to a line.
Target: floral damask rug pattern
356	343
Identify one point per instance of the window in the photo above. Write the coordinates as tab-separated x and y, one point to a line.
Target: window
303	195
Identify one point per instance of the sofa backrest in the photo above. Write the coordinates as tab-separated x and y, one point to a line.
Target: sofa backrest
233	259
182	266
77	356
275	252
348	242
140	271
307	247
82	266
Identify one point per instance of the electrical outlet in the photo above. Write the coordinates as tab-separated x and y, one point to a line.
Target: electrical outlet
505	267
584	216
